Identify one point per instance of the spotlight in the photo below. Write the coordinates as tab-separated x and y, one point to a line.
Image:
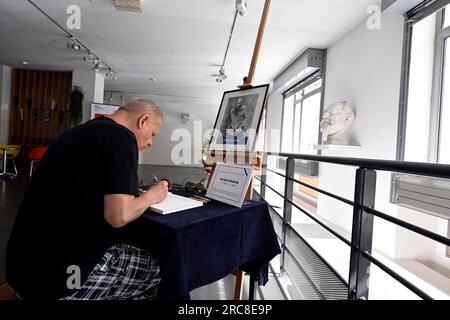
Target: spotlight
111	74
74	45
89	58
24	62
241	7
98	66
222	73
222	76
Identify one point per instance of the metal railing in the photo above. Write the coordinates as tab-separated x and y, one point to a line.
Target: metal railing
362	222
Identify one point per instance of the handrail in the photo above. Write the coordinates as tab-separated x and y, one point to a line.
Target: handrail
337	235
396	276
421	168
409	226
273	171
279	194
314	188
363	206
324	192
381	215
323	225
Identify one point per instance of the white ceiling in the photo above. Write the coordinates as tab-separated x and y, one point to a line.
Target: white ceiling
181	43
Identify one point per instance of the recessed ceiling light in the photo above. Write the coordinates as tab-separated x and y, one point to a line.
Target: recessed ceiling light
24	62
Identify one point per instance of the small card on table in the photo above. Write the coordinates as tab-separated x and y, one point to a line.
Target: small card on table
229	183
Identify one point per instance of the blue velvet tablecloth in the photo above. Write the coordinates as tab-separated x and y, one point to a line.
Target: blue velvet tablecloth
202	245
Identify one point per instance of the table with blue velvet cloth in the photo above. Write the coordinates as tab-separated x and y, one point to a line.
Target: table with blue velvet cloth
202	245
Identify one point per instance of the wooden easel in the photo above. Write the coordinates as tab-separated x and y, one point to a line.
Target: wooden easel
256	160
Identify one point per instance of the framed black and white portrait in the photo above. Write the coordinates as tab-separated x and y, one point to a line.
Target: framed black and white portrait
237	122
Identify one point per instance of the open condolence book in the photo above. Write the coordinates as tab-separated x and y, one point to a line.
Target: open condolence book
175	203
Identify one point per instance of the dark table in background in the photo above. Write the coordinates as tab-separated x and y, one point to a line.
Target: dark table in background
202	245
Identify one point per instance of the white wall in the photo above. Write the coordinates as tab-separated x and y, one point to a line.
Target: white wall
93	84
364	68
5	102
273	122
203	115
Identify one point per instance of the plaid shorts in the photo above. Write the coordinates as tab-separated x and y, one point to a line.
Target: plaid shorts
124	272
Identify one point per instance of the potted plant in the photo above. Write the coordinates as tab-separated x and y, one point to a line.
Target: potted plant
76	105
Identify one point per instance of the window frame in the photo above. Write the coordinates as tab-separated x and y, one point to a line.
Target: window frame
418	193
415	15
298	87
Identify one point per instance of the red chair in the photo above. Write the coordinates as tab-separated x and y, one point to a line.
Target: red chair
6	292
34	156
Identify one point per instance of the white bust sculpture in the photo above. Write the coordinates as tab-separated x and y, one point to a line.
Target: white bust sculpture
336	119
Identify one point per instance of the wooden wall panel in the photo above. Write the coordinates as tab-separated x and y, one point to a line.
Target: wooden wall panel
39	111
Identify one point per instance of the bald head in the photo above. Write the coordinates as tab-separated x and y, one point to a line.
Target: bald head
143	117
137	107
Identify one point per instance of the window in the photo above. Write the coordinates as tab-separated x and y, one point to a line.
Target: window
300	133
424	116
301	116
446	17
425	110
444	139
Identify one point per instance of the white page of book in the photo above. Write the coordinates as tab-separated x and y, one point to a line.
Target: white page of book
175	203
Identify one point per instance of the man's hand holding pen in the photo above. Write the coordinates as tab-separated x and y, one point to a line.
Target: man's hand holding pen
158	189
168	182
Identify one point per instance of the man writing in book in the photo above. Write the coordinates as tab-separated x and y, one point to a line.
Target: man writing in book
69	237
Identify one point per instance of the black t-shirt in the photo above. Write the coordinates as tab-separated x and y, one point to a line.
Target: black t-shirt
60	222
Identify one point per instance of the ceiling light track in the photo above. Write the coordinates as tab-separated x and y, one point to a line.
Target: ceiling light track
222	76
76	45
241	8
229	38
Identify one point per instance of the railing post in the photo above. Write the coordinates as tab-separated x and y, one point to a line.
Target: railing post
362	231
287	206
263	176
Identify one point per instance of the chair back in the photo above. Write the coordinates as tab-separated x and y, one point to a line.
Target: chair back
37	153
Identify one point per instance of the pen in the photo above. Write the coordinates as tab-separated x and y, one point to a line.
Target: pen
205	200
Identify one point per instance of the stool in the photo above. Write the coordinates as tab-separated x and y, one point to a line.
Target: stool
9	152
34	156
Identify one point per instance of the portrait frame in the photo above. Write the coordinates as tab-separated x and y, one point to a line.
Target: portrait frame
237	123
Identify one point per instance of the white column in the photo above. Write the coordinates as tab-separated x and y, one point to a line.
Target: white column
5	102
93	84
274	121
